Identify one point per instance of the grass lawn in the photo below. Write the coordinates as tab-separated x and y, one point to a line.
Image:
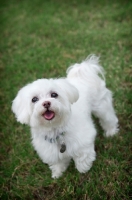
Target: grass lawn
41	38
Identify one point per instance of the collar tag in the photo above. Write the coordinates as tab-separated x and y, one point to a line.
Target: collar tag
63	147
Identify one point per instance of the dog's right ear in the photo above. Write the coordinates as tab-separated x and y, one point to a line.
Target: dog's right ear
69	89
21	107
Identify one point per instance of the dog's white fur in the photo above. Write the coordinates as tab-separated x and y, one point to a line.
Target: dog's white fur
80	94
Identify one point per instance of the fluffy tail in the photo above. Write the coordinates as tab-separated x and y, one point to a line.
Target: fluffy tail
99	97
88	68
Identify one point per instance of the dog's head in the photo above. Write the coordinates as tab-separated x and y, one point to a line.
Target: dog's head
45	102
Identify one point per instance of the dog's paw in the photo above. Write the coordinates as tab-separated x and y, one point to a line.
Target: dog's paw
56	171
84	162
111	131
56	175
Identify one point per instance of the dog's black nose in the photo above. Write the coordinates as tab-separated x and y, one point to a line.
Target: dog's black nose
46	104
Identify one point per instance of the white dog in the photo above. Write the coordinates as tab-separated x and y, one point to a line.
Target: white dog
59	114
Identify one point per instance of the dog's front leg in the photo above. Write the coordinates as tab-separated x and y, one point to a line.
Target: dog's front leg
85	158
58	168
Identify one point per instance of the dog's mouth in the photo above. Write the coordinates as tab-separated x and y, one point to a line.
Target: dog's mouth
48	115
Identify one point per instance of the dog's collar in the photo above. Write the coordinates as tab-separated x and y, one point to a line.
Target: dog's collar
54	140
58	139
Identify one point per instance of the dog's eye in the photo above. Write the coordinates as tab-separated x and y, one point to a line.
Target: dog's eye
34	99
54	95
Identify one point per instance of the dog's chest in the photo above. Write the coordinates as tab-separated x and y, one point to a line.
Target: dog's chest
49	151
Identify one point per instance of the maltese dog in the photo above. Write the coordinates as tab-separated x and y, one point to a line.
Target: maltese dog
59	114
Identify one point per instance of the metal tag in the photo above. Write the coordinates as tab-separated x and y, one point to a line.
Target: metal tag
63	148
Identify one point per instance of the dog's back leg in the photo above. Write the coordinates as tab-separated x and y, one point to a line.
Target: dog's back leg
103	109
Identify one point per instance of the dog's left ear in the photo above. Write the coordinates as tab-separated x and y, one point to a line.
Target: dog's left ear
69	89
21	107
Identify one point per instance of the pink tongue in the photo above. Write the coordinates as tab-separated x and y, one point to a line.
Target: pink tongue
49	115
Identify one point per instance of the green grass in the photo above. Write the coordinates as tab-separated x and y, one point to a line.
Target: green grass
42	38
